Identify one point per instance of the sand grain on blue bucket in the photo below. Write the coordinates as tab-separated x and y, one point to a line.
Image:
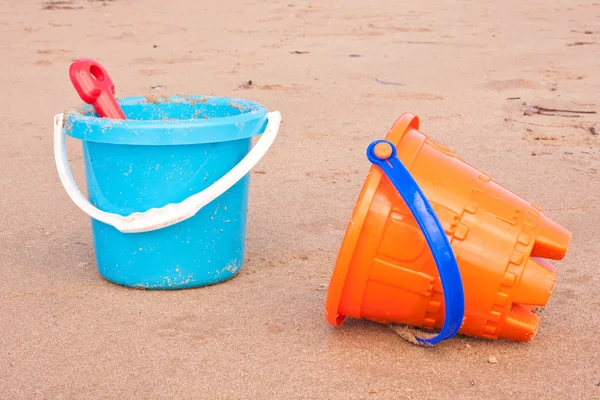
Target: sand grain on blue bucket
165	151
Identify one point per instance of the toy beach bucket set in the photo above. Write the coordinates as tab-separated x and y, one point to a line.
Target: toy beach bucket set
432	242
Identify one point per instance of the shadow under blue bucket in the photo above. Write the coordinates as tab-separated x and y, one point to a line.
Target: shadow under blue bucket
163	153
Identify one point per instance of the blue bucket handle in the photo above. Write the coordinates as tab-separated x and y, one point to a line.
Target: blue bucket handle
436	238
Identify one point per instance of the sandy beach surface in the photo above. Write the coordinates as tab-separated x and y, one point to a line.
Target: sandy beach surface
340	72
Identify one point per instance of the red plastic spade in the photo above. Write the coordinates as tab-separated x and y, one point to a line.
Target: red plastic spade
95	87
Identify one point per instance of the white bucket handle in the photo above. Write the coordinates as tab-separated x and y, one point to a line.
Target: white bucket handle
170	214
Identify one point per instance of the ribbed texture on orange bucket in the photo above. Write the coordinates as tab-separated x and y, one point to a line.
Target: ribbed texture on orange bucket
385	271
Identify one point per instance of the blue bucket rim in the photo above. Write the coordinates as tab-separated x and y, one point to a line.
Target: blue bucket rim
83	123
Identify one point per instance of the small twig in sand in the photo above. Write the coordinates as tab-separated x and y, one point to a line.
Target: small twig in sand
60	5
567	111
580	43
535	109
388	82
557	115
513	98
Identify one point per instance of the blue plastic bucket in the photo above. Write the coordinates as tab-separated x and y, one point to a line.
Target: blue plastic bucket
161	155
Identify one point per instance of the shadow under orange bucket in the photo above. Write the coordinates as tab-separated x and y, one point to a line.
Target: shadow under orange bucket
385	269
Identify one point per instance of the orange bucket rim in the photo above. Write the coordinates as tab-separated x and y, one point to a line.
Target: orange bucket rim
338	278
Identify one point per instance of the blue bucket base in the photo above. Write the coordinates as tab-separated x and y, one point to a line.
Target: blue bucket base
179	258
178	281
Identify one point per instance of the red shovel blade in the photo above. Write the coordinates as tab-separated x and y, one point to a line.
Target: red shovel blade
94	86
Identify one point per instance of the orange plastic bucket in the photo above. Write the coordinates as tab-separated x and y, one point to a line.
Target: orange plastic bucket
386	269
